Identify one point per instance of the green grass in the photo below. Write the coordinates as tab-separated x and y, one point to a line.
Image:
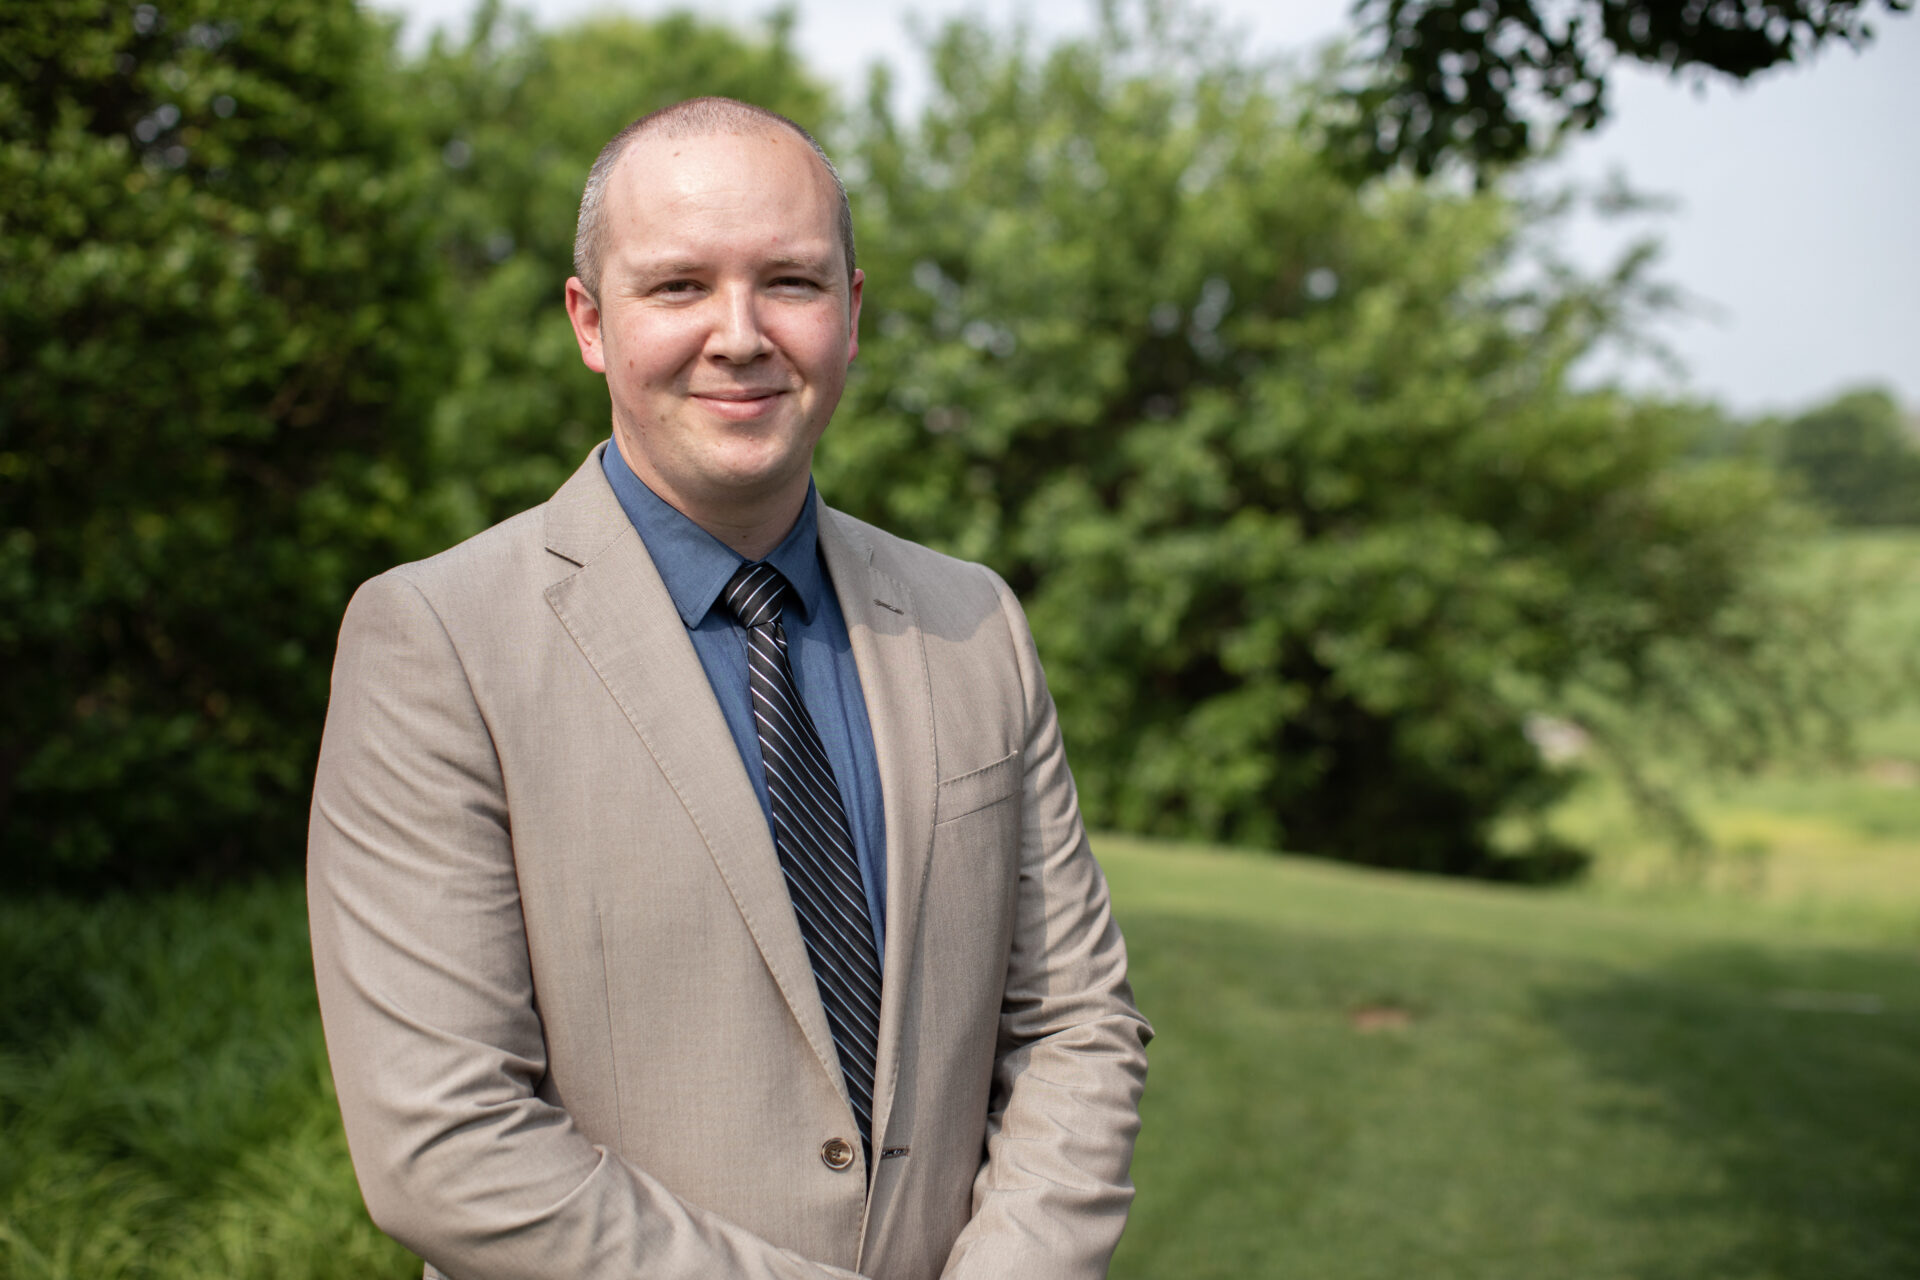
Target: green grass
165	1104
1357	1075
1831	846
1580	1087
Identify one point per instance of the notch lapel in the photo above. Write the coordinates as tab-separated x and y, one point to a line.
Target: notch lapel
619	613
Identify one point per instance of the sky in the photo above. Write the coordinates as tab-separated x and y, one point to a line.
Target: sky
1794	226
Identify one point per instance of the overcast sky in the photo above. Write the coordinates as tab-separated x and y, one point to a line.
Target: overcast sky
1797	227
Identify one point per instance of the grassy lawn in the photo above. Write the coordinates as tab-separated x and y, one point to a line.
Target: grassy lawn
1362	1075
1836	849
1357	1075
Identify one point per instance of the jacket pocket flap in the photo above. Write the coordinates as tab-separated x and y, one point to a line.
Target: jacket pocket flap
973	791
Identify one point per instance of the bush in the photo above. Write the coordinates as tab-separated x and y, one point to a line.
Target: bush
223	331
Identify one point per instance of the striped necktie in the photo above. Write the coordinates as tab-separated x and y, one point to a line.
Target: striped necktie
813	838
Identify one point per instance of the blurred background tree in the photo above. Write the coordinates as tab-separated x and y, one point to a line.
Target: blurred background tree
1290	465
279	311
1491	83
1857	457
222	326
1306	509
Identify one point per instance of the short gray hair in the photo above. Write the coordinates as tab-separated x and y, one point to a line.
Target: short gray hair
696	117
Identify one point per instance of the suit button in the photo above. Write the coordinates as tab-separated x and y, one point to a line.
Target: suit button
836	1154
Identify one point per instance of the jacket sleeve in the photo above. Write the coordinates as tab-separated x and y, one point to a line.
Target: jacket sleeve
1052	1194
427	998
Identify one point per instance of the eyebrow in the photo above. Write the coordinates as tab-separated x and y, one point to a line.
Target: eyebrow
674	267
688	266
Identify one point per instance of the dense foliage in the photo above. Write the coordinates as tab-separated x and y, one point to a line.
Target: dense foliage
1857	457
220	325
1490	81
1308	516
278	311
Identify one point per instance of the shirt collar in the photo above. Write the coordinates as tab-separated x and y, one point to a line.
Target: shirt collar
695	565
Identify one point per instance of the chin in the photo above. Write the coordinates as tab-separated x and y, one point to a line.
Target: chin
760	462
758	479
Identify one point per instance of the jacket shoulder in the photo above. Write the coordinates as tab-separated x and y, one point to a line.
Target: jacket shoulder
914	562
509	553
535	548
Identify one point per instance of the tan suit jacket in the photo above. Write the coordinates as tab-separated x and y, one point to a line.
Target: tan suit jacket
572	1022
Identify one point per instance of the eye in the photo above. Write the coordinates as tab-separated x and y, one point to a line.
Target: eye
676	287
795	288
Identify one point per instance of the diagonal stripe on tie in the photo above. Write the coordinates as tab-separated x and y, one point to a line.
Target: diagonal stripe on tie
812	837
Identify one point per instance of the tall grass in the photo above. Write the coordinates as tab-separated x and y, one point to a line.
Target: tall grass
164	1095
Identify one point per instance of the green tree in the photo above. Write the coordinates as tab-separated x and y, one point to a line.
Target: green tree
278	311
1306	511
220	328
1490	81
1856	457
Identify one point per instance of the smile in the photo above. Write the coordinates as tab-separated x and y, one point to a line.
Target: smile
738	406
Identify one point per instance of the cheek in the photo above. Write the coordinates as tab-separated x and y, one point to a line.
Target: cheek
642	367
651	348
827	348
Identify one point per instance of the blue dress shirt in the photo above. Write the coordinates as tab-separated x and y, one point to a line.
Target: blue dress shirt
696	567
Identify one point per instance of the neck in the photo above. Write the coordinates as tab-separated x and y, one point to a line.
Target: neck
753	532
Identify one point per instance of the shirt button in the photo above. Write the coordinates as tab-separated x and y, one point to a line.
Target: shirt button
836	1154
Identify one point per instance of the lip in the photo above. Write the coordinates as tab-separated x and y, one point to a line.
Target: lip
738	393
739	405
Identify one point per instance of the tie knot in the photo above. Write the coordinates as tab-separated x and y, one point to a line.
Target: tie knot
754	594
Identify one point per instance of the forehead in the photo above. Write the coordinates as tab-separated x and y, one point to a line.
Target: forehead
753	189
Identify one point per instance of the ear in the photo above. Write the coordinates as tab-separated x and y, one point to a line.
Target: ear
853	318
584	312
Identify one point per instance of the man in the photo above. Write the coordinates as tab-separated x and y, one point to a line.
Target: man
626	806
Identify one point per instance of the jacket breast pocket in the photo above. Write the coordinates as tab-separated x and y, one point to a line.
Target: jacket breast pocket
977	790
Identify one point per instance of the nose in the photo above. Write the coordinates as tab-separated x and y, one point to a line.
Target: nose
737	337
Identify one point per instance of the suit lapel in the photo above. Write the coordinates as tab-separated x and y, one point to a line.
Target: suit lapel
619	613
890	653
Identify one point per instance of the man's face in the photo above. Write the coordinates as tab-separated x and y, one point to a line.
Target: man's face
726	319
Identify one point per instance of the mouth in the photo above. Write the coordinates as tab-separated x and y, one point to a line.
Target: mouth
740	404
739	393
